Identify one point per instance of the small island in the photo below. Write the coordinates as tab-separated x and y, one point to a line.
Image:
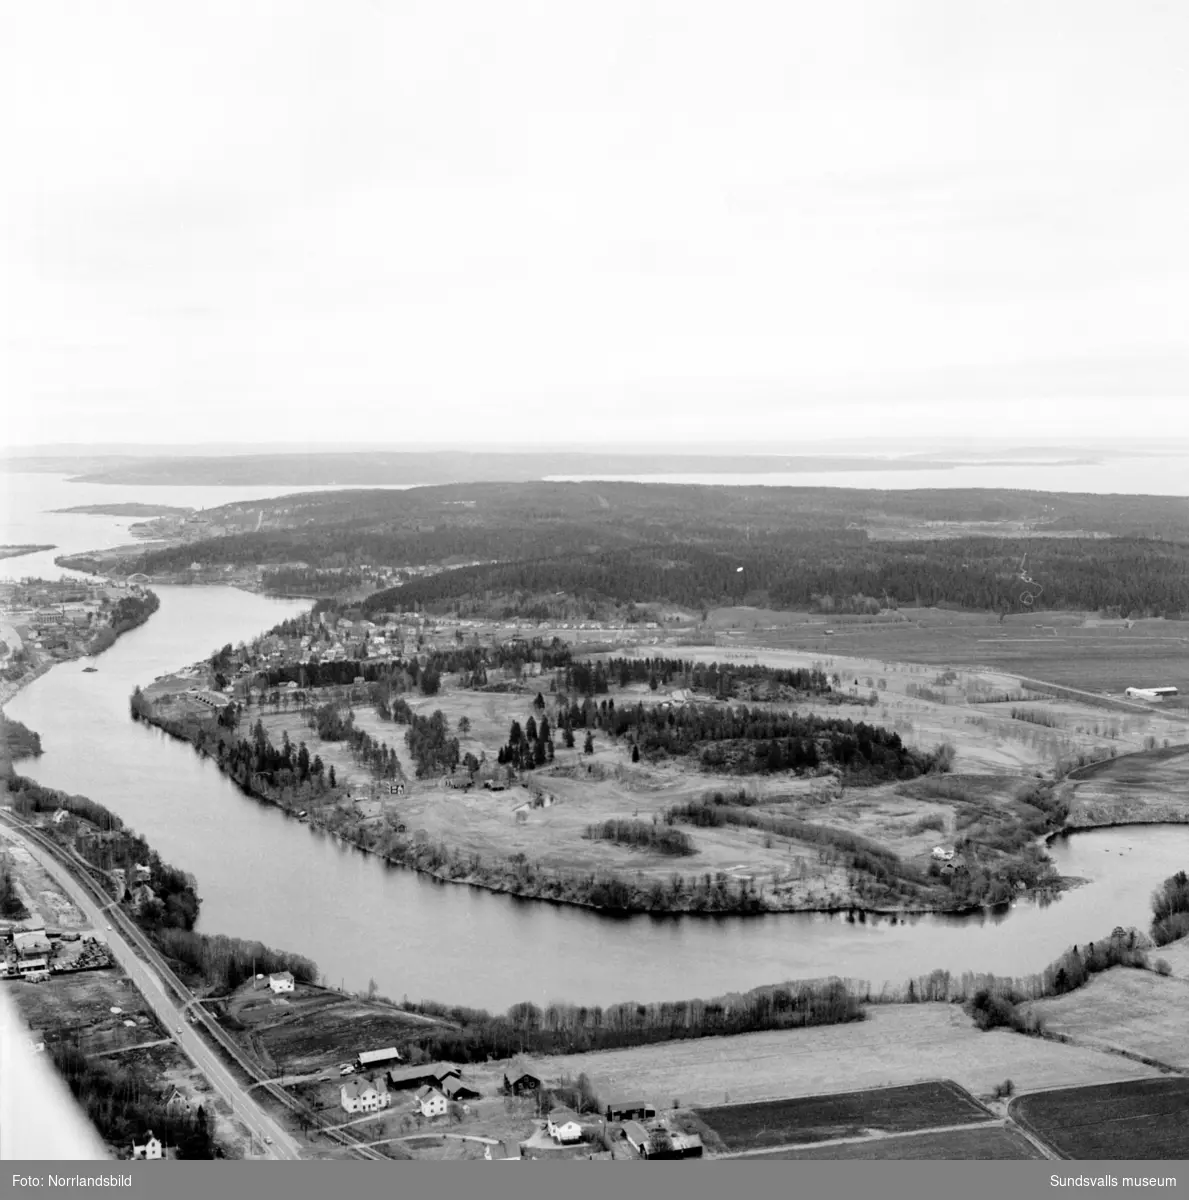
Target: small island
131	509
18	551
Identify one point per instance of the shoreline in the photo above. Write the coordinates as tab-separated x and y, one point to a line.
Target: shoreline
544	889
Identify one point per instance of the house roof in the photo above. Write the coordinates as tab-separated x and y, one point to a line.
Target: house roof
428	1093
282	976
563	1116
357	1087
635	1133
624	1102
374	1056
452	1086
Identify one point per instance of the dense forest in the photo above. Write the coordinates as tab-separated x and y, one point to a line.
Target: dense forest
17	740
844	571
798	547
124	1103
743	739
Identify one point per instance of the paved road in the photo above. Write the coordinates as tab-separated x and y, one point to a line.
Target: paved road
268	1134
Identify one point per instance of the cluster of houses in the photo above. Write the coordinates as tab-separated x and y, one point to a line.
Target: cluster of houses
54	617
30	953
433	1089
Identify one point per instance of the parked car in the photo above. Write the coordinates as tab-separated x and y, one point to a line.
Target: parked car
347	1069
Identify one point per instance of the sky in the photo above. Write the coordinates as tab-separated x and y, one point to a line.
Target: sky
627	222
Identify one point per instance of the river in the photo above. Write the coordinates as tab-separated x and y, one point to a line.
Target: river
263	875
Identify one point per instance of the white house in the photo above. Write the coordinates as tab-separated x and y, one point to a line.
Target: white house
431	1102
942	854
365	1095
563	1125
151	1148
282	981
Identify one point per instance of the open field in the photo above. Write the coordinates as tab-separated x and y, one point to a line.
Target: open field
1176	954
78	1008
967	706
897	1044
312	1028
1152	787
39	893
843	1114
1141	1119
996	752
1122	1009
1073	649
986	1143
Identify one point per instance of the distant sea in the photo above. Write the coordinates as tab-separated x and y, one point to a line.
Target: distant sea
1140	476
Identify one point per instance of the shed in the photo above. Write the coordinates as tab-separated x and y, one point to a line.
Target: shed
377	1058
629	1108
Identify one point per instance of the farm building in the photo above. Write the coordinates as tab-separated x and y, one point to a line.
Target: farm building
629	1108
636	1136
455	1089
419	1077
371	1059
521	1084
1151	693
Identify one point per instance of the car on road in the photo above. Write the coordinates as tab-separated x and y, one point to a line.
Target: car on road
347	1069
109	927
268	1141
179	1029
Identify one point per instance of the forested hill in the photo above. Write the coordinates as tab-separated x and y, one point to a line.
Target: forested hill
654	542
839	572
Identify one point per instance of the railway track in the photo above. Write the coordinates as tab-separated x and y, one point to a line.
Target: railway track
95	882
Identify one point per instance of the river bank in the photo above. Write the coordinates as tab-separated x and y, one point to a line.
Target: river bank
516	876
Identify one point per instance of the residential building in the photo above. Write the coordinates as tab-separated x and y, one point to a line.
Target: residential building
522	1084
564	1125
502	1152
431	1102
150	1150
364	1095
282	981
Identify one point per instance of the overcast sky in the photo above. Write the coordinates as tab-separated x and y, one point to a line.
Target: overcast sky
498	220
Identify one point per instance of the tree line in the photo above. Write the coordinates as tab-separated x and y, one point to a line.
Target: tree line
721	680
1170	909
227	962
573	1029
